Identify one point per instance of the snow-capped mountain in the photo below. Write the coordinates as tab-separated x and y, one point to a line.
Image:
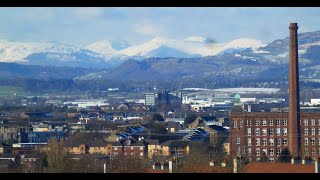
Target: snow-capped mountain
190	47
48	53
109	49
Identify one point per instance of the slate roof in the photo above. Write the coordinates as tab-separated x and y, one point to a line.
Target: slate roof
258	167
218	128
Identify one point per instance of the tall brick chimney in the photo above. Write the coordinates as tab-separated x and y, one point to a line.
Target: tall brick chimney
294	99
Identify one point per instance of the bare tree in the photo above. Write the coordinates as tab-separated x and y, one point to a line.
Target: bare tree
57	157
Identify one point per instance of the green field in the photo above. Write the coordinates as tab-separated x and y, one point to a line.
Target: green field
11	91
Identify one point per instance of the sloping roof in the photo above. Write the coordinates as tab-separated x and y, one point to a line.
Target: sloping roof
258	167
152	141
96	143
116	143
175	143
218	128
138	143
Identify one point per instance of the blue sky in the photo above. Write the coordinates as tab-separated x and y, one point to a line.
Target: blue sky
81	26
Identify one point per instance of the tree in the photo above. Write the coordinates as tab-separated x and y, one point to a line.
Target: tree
190	118
57	157
285	155
157	117
264	157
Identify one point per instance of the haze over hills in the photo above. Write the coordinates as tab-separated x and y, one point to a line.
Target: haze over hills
165	58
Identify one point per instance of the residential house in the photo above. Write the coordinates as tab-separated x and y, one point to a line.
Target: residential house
99	147
133	149
217	133
176	148
117	149
154	148
76	147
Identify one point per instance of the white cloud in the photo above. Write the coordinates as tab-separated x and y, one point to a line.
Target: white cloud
149	29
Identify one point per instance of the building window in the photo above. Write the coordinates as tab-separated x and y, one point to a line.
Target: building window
285	141
284	131
313	151
305	131
270	131
318	141
257	151
249	131
306	151
264	151
234	122
264	122
313	141
271	142
131	148
278	140
278	122
249	151
319	122
278	151
264	141
271	160
318	150
270	122
238	150
257	141
284	122
257	132
305	122
241	123
312	122
318	131
238	140
141	148
264	131
257	122
306	141
271	151
115	148
249	141
115	153
247	123
313	131
278	132
141	154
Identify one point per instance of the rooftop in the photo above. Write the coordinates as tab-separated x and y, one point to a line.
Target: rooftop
258	167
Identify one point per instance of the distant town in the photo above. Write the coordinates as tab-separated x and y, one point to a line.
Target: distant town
155	99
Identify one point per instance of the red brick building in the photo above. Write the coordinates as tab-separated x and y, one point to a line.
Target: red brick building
254	133
133	149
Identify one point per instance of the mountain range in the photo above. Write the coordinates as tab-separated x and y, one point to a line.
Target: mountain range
165	58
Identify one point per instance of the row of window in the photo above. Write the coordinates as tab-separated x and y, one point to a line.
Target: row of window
312	141
312	122
306	151
265	141
271	151
265	151
268	131
270	122
257	123
312	131
278	141
141	154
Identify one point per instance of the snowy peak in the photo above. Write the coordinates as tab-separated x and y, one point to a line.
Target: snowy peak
245	43
102	47
199	39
